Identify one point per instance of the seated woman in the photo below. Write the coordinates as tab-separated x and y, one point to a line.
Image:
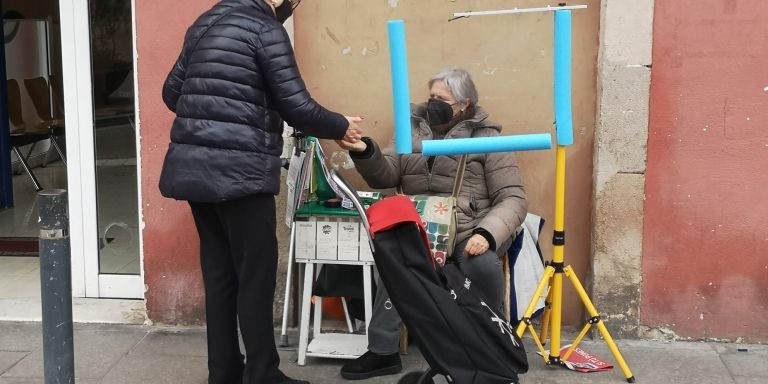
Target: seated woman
491	203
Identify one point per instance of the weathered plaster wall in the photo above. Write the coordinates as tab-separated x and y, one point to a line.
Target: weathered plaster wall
705	269
343	54
174	288
620	161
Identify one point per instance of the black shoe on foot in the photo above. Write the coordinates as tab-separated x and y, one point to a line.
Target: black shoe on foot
372	365
283	379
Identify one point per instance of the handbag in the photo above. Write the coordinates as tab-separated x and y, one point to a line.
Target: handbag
438	213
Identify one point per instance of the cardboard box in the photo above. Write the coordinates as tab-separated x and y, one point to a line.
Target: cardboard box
327	240
349	240
305	241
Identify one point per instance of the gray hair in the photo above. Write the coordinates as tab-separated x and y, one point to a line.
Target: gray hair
459	82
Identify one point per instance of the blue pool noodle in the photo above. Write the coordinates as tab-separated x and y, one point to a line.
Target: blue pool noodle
400	93
443	147
563	111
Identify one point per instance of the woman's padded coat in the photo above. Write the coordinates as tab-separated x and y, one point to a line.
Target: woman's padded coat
492	196
234	82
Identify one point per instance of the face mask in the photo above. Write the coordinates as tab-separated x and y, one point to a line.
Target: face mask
284	11
438	112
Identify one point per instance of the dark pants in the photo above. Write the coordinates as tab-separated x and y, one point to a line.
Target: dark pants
238	256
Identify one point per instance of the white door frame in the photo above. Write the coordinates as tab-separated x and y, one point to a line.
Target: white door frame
81	161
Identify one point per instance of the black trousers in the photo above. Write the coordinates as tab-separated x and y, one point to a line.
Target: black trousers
238	256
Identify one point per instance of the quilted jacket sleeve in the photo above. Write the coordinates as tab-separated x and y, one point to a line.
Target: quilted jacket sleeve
287	90
380	169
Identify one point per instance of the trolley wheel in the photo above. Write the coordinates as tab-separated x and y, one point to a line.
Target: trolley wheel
417	377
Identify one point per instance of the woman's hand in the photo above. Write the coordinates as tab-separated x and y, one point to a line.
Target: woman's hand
354	133
359	146
477	245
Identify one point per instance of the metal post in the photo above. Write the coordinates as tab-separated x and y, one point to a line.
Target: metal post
56	288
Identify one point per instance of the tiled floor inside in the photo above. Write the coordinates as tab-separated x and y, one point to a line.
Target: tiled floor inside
117	210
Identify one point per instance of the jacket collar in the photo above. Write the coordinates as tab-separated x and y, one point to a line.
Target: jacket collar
261	5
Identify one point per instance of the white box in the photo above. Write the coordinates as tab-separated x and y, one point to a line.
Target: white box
304	243
327	240
349	240
365	248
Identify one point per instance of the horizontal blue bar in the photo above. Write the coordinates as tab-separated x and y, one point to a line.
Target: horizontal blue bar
563	106
532	142
401	96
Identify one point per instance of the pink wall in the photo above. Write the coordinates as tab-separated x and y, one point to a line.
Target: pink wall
705	264
171	256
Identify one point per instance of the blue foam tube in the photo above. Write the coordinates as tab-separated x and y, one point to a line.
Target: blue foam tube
400	93
443	147
563	111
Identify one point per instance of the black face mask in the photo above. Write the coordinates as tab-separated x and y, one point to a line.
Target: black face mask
284	11
438	112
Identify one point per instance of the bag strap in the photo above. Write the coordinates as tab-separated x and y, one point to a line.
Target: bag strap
459	176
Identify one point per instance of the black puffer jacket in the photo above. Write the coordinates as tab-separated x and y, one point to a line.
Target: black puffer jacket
233	84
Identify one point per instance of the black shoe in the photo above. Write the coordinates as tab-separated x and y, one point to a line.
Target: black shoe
372	365
283	379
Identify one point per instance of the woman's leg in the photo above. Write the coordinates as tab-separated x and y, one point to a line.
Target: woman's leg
484	270
225	362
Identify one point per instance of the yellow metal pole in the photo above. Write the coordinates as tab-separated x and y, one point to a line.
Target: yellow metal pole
558	256
577	341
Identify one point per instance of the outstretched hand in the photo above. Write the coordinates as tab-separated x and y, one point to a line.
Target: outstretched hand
354	133
358	146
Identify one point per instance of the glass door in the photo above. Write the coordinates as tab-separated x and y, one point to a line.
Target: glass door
101	64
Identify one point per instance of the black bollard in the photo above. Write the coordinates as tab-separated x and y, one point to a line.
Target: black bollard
56	288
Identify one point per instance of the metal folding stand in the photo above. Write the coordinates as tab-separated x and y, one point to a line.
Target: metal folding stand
552	280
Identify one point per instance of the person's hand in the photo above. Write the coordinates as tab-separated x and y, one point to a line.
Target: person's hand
359	146
477	245
354	133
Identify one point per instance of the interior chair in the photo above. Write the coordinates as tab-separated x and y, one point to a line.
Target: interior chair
41	93
22	134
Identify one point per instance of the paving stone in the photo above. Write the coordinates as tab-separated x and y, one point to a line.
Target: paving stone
156	369
9	359
38	380
181	342
751	362
97	349
20	337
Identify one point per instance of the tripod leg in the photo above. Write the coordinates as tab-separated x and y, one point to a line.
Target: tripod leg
579	338
600	325
525	322
543	283
545	316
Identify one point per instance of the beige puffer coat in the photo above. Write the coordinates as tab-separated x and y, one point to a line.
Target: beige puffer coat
492	196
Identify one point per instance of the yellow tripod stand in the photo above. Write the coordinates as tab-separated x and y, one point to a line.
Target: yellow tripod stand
553	280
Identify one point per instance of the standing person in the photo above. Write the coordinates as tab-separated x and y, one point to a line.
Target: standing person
234	83
491	203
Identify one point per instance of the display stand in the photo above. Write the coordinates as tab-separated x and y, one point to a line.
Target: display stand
320	236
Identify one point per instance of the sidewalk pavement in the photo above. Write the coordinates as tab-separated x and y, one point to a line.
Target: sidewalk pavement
121	354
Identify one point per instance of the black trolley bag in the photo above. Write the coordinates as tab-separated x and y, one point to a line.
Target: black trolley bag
459	335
